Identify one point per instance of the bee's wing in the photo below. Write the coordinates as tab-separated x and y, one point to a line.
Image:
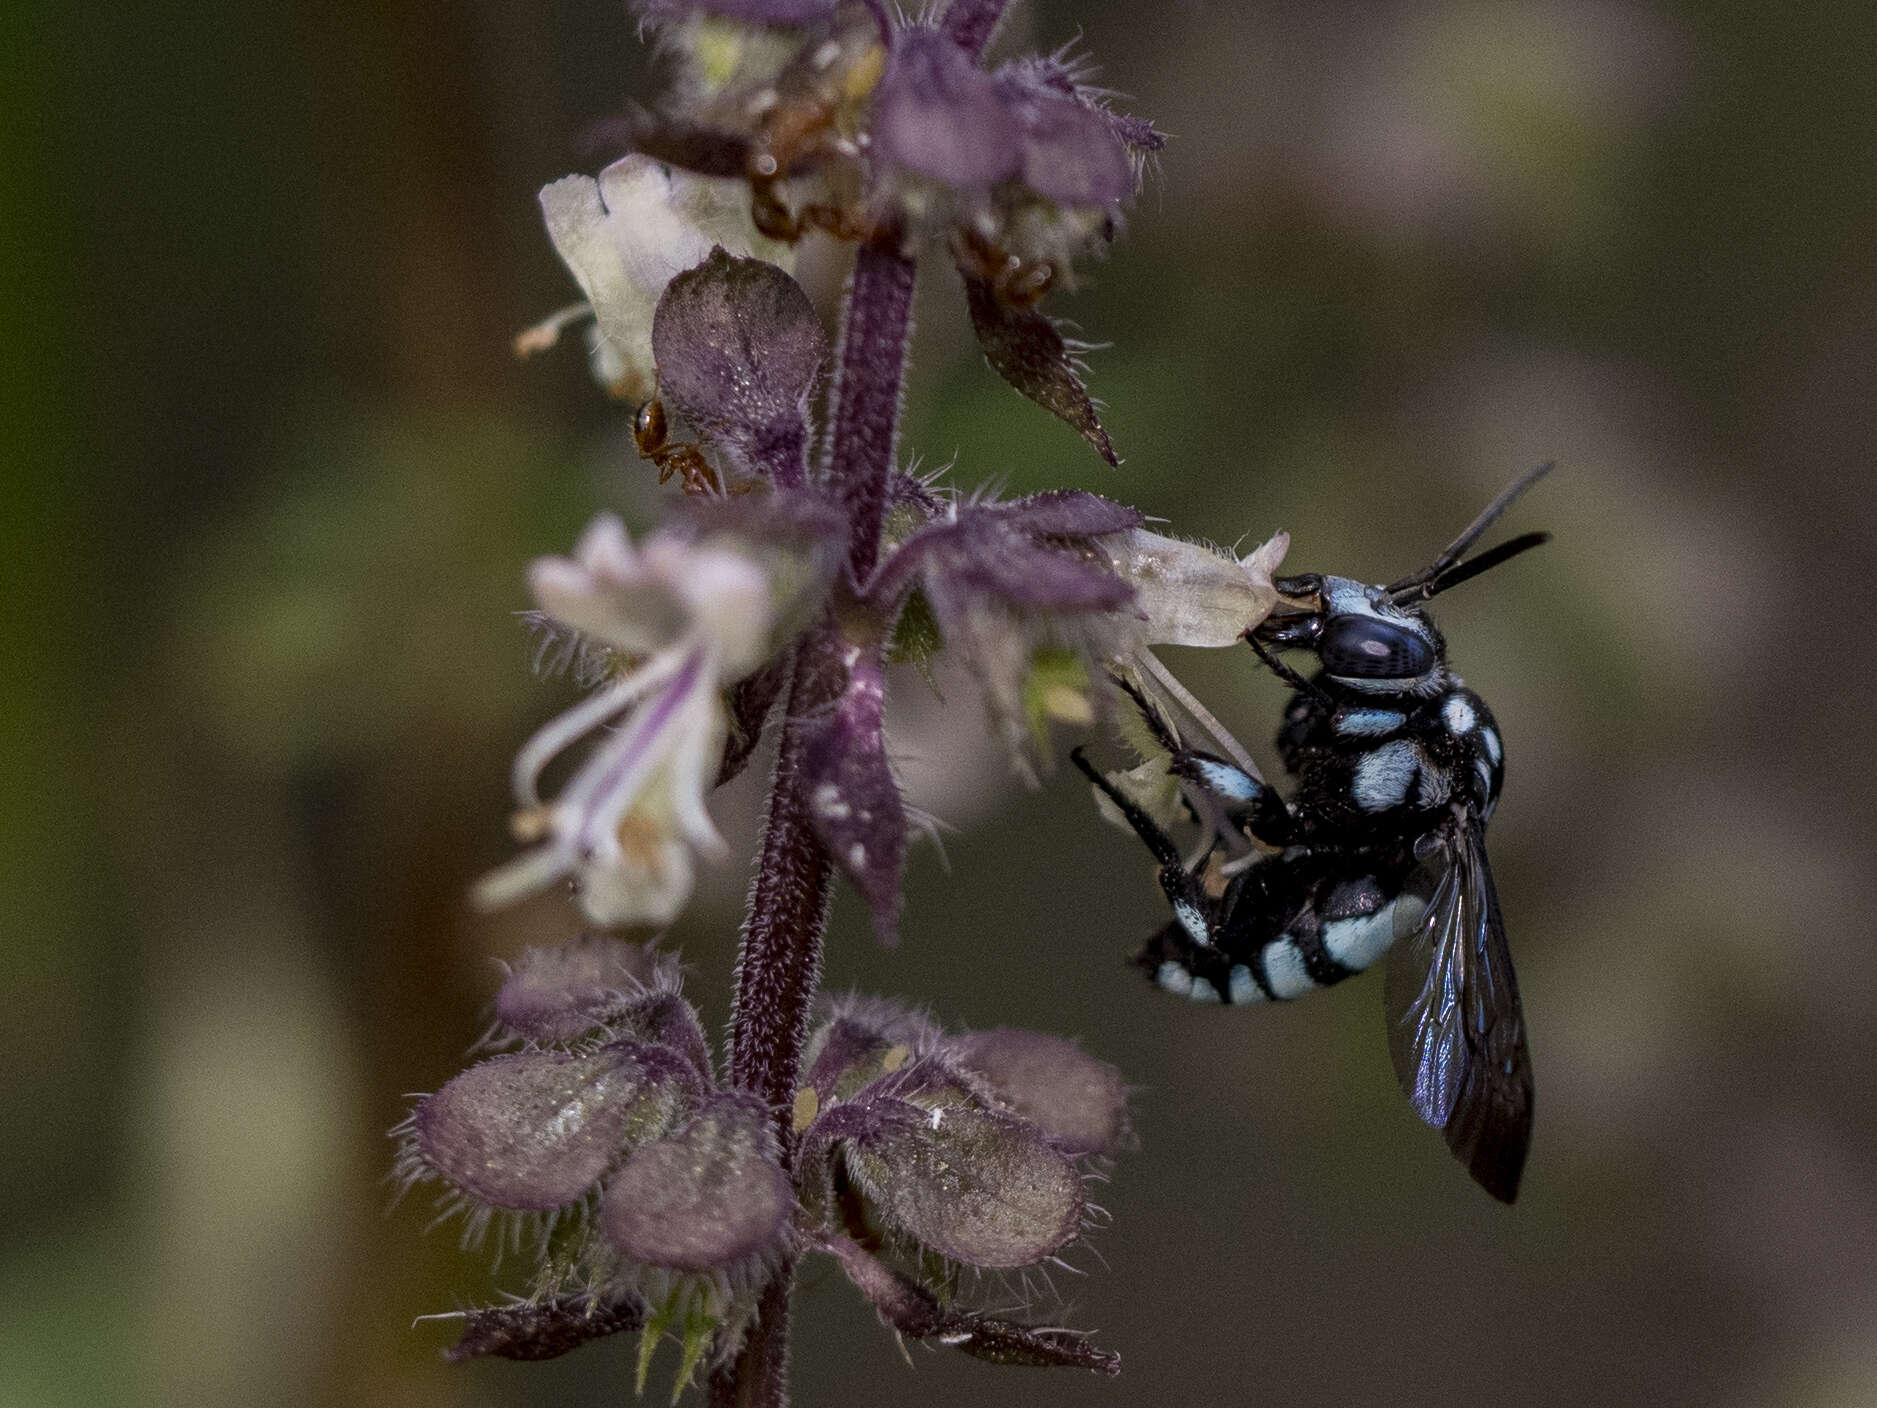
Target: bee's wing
1454	1026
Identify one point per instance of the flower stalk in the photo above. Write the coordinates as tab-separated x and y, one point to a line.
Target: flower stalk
779	957
876	328
657	1190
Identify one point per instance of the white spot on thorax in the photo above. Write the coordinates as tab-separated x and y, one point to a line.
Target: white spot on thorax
857	856
1368	723
1244	987
1489	739
1458	714
1383	777
1203	991
1284	970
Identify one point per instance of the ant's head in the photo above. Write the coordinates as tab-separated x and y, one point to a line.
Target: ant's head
1379	640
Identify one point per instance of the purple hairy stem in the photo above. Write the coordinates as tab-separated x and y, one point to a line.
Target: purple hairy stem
759	1376
779	959
872	363
779	965
970	23
778	973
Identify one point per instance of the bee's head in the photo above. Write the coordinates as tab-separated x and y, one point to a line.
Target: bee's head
1378	640
1364	641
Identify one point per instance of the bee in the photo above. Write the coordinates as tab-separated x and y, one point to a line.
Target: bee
1380	849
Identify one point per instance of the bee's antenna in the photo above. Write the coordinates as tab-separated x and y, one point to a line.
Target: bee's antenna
1441	573
1473	566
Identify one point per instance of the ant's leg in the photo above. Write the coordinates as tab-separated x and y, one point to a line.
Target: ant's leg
1192	908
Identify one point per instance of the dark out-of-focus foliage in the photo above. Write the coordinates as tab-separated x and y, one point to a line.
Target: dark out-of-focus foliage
272	476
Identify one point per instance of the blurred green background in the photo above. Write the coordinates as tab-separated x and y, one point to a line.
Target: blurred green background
273	475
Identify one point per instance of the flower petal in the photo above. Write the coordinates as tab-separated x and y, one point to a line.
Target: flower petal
1189	594
1071	153
938	114
626	234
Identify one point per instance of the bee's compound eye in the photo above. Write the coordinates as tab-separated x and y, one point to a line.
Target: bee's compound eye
1368	648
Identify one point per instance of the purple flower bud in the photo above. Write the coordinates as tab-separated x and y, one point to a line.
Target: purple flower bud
1069	513
536	1130
1012	553
1024	348
1080	1102
890	1021
543	1329
711	1197
1034	578
666	1020
559	994
978	1186
938	114
738	347
852	797
867	1038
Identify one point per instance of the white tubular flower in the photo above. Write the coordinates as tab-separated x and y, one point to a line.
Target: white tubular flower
624	237
693	617
1185	593
1190	594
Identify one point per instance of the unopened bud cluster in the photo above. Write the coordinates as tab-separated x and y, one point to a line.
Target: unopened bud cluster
648	1196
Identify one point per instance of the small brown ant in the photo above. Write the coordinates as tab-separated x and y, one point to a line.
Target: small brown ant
652	434
772	216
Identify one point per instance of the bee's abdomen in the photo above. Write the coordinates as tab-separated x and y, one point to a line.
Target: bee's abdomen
1334	936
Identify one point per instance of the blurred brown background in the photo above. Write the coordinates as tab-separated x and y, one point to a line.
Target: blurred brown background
272	476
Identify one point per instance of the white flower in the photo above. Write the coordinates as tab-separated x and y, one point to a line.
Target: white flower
1185	593
624	237
1190	594
693	617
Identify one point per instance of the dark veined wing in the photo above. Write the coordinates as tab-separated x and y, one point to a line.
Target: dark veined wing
1455	1030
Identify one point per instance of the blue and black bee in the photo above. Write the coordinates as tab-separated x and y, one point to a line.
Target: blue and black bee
1380	849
